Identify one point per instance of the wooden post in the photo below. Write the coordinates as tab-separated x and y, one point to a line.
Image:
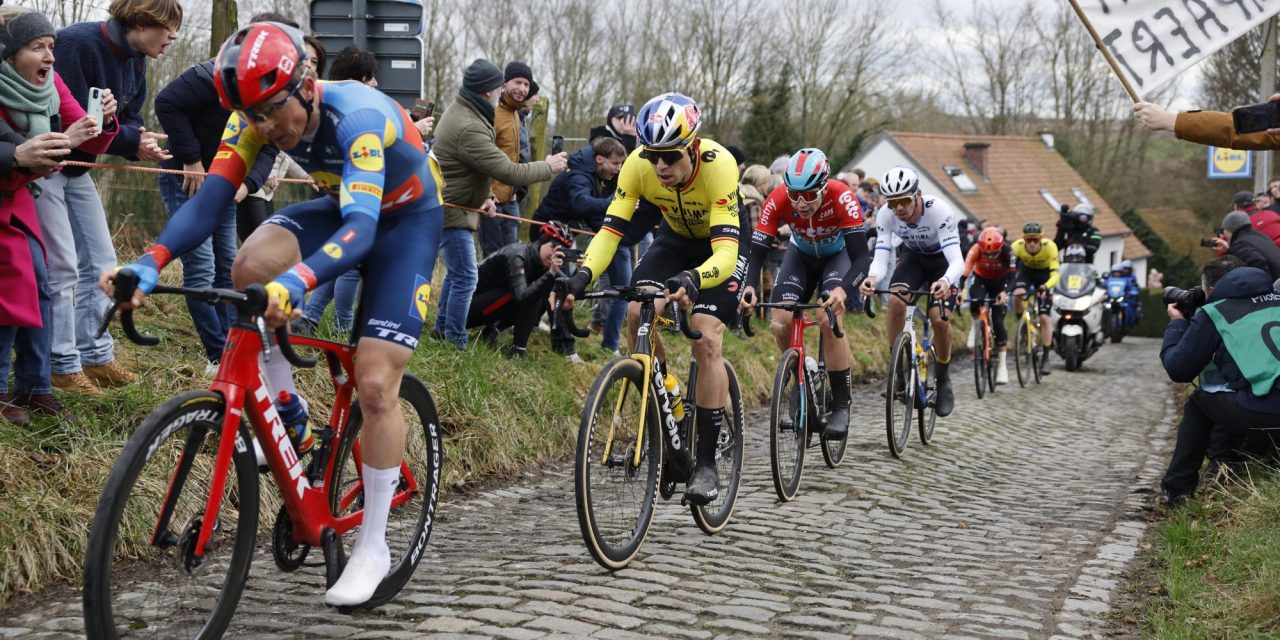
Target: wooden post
224	22
1266	87
539	146
1106	53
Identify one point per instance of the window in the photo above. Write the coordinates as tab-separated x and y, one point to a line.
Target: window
1079	194
963	182
1048	197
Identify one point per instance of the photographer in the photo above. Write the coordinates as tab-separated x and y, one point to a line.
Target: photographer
514	283
1228	346
1075	226
1252	247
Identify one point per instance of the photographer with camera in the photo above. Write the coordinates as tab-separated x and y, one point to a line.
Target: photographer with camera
1075	226
1229	344
1251	246
514	283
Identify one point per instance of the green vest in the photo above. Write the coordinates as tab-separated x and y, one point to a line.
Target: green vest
1250	329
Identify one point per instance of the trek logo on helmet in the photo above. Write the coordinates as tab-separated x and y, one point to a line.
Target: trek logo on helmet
257	48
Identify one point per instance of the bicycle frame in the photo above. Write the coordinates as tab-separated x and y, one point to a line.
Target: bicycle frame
799	322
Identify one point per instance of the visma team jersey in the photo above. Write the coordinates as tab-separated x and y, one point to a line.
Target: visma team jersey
706	207
935	232
820	235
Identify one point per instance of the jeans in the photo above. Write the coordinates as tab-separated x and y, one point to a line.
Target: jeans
496	233
207	265
74	226
619	272
343	293
31	371
459	252
1214	425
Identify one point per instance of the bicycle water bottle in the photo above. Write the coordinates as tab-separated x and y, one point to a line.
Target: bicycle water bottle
812	366
294	416
673	390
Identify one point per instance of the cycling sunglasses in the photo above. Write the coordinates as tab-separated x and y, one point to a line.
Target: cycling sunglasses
804	196
263	112
667	157
901	202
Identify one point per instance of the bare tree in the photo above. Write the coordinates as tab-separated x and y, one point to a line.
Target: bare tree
504	30
441	73
986	68
721	34
572	42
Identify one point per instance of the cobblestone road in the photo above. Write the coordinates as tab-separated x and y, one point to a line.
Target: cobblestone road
1016	523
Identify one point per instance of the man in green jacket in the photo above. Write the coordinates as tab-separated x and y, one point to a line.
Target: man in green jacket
466	148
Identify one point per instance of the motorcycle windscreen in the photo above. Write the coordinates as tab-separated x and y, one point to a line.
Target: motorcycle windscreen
1076	280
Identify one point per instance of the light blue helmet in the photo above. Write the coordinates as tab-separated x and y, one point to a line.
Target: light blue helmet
807	170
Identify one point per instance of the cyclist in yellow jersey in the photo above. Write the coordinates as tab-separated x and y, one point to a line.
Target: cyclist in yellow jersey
1037	261
694	182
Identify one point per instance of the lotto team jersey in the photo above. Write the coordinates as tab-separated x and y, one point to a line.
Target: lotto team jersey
365	152
821	235
935	232
706	207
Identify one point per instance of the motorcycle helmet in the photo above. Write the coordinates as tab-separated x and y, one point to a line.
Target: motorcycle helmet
1074	253
1083	213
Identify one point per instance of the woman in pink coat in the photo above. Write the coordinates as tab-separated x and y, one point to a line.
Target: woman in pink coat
33	103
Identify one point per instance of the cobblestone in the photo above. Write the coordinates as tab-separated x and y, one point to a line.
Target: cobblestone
1004	527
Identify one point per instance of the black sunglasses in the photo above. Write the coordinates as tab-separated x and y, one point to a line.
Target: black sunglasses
668	157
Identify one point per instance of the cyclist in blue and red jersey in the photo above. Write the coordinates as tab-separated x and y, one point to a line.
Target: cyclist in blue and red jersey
827	253
383	217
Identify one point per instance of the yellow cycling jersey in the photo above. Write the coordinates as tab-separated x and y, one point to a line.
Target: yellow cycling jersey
705	207
1045	258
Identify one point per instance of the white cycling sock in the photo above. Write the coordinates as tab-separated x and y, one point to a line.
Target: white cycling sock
379	488
279	372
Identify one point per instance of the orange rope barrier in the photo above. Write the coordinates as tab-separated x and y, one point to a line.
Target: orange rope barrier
306	181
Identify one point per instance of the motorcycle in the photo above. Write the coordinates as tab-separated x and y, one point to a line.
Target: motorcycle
1116	320
1077	314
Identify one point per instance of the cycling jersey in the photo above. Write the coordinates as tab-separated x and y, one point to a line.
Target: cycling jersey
705	208
837	226
933	234
995	267
1045	258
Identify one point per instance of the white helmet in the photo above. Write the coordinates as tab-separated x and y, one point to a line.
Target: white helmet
899	182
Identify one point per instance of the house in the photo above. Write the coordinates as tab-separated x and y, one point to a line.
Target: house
1008	180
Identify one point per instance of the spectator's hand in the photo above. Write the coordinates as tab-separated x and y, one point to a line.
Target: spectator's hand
149	149
1221	244
108	104
628	125
559	162
42	153
241	193
557	261
1174	314
1154	117
273	183
82	130
490	207
868	286
426	126
940	289
835	300
191	184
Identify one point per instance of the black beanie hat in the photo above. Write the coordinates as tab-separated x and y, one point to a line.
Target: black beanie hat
517	69
482	76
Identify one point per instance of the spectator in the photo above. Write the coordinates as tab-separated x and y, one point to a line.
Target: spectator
514	284
1237	390
1248	244
496	232
1155	279
1263	201
469	161
756	186
1273	190
30	94
1212	128
1263	220
619	124
739	156
862	175
354	63
111	55
1075	226
188	110
779	165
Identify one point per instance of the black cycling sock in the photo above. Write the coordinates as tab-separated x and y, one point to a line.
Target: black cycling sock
708	434
839	386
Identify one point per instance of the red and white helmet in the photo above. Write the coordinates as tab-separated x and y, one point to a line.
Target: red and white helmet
257	62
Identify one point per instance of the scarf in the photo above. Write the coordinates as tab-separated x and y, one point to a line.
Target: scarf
28	106
476	101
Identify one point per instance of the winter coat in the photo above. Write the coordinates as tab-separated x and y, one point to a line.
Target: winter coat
578	196
1256	250
506	131
97	54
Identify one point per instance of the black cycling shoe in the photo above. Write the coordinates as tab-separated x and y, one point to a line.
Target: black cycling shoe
1044	364
704	485
837	423
946	401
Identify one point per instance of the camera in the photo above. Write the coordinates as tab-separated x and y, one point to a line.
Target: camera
1209	242
570	254
1186	300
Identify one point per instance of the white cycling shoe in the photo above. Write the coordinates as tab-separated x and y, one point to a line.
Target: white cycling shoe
361	577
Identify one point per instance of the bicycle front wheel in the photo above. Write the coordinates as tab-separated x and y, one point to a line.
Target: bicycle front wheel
927	413
980	356
714	517
615	495
788	435
900	395
142	577
413	506
1023	359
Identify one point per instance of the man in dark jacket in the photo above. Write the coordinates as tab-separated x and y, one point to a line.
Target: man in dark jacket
619	124
1250	245
581	195
513	285
1075	226
1230	343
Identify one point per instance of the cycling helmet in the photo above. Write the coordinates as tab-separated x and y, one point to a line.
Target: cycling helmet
557	232
669	121
1032	230
990	240
257	62
899	182
807	170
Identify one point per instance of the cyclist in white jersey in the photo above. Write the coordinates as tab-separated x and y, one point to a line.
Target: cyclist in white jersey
929	255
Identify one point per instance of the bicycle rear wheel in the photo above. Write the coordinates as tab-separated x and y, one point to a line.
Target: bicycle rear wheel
1023	360
712	518
927	411
788	433
614	495
980	356
413	508
138	588
1038	354
900	395
992	362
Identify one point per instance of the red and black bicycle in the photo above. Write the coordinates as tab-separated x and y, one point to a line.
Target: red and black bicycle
176	525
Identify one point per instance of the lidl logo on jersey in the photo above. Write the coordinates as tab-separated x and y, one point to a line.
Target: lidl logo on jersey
333	250
421	296
366	153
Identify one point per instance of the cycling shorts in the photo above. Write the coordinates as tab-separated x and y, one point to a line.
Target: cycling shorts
1026	278
801	274
670	254
983	288
918	272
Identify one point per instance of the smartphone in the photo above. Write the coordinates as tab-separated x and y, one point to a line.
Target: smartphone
55	123
95	106
557	144
422	109
1208	242
1256	117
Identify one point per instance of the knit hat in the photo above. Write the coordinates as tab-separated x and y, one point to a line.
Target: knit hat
22	29
517	69
482	76
1242	198
620	110
1235	220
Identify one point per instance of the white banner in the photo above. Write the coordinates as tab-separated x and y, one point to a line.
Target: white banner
1155	40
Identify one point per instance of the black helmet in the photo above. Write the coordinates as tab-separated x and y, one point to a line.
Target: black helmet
1032	230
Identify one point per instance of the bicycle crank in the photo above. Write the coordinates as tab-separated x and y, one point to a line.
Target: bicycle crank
289	555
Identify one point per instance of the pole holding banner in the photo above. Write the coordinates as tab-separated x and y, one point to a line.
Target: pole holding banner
1106	53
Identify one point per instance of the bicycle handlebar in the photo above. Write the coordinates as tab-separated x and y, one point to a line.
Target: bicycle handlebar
909	297
794	308
673	285
252	302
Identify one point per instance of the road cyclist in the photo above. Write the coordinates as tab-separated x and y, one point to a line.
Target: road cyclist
1037	267
991	264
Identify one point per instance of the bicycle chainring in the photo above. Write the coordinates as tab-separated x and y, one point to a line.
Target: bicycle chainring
289	555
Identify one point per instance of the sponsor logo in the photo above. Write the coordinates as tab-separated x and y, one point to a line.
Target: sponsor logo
364	187
722	201
421	296
421	542
366	153
349	236
395	336
673	432
203	415
256	49
333	250
710	274
223	155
